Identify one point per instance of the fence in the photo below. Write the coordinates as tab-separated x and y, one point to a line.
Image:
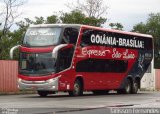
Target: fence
8	76
157	79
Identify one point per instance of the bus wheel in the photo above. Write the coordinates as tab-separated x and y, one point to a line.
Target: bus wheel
100	92
127	88
42	93
135	87
78	90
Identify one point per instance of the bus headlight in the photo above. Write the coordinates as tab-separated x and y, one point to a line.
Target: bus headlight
50	80
19	79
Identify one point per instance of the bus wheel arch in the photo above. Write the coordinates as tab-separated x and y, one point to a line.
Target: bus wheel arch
127	86
78	87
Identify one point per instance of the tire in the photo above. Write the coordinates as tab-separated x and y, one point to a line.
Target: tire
42	93
135	87
78	89
127	89
100	92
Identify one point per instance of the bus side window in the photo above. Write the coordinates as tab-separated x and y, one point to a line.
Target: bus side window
85	41
102	65
70	35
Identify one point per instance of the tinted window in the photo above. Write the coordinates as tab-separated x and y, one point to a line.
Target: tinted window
100	65
111	39
70	35
36	63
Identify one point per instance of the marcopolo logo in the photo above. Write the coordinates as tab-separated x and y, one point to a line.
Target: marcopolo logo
113	41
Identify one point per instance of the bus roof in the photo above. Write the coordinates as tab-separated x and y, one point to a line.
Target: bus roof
92	27
56	25
118	31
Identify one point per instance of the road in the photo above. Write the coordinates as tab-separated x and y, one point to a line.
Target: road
61	103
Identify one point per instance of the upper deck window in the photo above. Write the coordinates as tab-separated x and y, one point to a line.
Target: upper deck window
42	36
70	35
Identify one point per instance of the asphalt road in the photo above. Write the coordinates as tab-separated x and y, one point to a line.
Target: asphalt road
61	103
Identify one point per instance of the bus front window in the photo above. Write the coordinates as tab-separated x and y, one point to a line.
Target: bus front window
42	36
37	64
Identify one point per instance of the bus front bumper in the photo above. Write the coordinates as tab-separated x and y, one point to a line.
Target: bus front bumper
48	85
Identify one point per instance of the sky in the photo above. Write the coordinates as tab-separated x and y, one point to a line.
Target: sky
126	12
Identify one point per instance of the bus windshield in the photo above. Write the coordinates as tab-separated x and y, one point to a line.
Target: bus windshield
36	63
42	36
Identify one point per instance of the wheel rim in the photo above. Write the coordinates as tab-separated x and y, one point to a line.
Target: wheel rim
135	87
128	88
76	89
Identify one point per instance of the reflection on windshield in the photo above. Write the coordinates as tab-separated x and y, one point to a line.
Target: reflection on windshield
37	64
42	36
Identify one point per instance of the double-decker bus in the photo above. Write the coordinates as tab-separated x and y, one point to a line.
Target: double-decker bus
75	58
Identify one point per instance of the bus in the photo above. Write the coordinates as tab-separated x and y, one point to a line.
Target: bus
75	58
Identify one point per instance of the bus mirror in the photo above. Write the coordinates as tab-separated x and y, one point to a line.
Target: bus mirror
56	49
12	50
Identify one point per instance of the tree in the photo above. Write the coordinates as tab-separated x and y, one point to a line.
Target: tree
39	20
23	25
91	8
52	19
12	39
152	27
141	28
77	17
94	10
117	26
9	14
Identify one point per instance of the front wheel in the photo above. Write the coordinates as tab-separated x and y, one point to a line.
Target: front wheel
78	89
